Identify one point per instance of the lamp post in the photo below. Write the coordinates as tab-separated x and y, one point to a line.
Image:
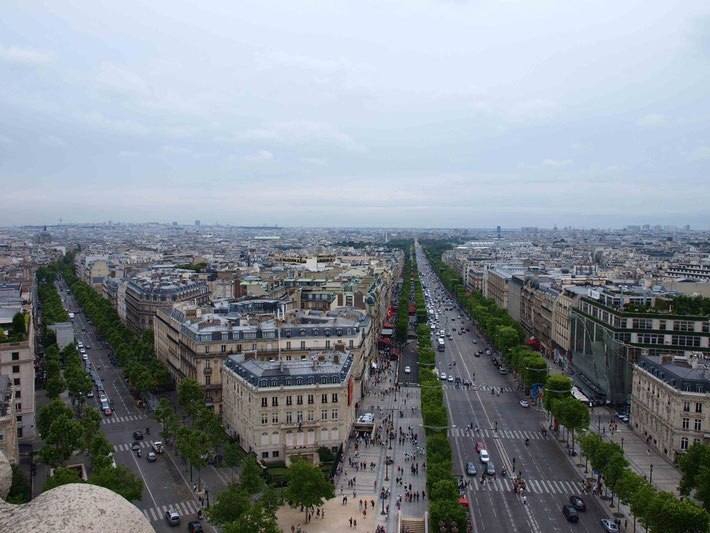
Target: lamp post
650	477
387	470
382	497
622	444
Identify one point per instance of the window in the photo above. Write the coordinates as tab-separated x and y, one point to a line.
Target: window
15	356
264	419
661	324
253	346
683	325
288	345
303	345
686	423
274	401
323	398
264	402
310	398
698	424
299	416
288	400
207	380
684	443
311	415
16	381
274	418
223	348
324	414
299	399
207	349
327	344
686	407
334	414
17	394
698	407
289	417
642	323
275	454
16	369
334	397
351	343
264	455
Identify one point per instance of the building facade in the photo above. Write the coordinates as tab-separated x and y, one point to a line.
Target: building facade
17	363
670	402
144	296
8	421
278	409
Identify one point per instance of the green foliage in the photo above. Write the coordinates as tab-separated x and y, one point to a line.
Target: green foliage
20	488
62	476
251	478
695	466
120	480
49	413
55	386
18	325
449	511
556	388
65	436
231	504
306	485
255	519
325	455
191	396
193	445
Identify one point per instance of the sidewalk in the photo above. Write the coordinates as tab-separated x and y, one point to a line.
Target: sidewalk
387	402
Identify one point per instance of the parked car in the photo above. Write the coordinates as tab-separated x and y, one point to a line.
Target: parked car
172	517
470	469
450	379
524	403
158	447
578	503
609	525
570	513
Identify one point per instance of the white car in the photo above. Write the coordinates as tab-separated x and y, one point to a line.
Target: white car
443	376
524	403
366	418
450	379
484	456
407	370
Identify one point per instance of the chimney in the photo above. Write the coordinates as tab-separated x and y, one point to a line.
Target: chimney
249	356
339	347
336	358
281	366
315	364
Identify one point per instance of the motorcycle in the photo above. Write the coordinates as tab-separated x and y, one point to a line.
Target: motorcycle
139	452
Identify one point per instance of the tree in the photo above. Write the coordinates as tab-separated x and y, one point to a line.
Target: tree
18	324
627	485
573	414
100	448
668	514
534	370
444	489
78	383
255	519
230	505
306	485
55	386
191	397
251	478
64	438
556	387
20	488
233	456
448	510
120	480
90	422
193	445
695	466
614	469
62	476
49	413
641	501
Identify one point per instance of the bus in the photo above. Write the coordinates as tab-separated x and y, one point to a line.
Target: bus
440	345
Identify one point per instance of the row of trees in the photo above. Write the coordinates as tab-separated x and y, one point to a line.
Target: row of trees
658	511
441	484
401	327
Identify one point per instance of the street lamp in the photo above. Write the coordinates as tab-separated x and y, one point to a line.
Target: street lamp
387	470
622	444
650	477
382	497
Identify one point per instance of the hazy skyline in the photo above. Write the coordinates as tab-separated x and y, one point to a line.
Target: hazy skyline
421	114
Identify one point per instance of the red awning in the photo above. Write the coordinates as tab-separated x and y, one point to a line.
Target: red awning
385	340
412	309
388	325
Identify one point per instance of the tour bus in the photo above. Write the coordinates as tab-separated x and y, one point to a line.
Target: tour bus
440	345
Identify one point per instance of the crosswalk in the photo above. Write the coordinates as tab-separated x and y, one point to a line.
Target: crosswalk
127	418
532	486
155	514
125	447
492	434
487	388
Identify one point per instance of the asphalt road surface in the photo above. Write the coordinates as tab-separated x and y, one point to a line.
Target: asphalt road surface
544	464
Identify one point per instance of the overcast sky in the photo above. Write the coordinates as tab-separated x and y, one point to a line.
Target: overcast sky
356	113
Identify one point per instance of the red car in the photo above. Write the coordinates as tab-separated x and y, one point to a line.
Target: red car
107	411
480	446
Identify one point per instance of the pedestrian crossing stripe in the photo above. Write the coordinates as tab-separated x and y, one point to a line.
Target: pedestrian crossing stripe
155	514
492	434
452	386
127	418
532	486
129	446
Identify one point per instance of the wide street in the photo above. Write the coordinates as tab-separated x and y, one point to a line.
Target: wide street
543	464
167	481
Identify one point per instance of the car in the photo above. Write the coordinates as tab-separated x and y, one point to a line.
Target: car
480	446
468	328
475	341
450	379
137	435
136	445
152	457
407	370
570	513
577	502
470	469
88	347
490	468
457	379
494	361
483	455
622	416
488	351
107	411
524	403
195	527
443	376
609	525
172	517
460	332
85	357
91	394
82	351
502	369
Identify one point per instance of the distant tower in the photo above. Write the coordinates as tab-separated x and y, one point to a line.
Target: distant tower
498	230
197	222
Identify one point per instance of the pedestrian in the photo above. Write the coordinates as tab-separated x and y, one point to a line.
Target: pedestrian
351	521
525	499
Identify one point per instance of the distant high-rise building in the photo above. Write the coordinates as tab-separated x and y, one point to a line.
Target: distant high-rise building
174	223
197	222
498	230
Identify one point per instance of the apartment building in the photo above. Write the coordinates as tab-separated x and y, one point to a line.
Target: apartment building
193	341
8	421
278	409
670	402
145	295
17	363
496	283
612	326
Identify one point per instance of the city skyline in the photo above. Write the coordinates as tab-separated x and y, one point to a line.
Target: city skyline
424	114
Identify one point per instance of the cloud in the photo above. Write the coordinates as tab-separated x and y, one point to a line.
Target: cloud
318	161
557	162
701	153
6	140
129	154
16	55
115	79
51	140
277	59
302	132
651	120
261	155
538	110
